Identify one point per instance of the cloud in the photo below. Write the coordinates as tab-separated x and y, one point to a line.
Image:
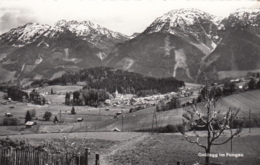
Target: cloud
13	18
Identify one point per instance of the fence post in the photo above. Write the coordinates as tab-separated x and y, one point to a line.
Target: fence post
122	120
86	156
78	160
57	161
249	120
97	159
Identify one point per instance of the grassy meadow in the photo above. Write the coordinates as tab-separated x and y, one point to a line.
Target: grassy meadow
131	147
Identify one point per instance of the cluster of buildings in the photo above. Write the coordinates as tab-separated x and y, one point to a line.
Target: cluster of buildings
130	99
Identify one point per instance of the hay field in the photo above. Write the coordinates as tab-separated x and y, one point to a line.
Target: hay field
245	101
234	74
145	148
142	119
60	88
170	148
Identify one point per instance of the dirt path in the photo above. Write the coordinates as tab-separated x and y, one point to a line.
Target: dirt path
105	157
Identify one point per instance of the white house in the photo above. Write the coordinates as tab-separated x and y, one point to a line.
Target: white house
29	124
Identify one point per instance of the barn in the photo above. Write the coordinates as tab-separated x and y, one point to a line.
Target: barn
79	119
29	124
8	114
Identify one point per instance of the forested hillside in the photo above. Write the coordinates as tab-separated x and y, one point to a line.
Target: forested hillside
111	79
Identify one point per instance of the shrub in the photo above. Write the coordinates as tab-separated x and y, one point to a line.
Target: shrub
181	128
238	123
252	123
10	121
171	128
47	115
5	96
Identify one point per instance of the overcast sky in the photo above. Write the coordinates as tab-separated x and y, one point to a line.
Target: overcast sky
125	16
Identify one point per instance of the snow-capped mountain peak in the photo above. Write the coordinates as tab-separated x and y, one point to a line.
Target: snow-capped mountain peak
244	17
183	17
62	22
26	34
89	30
192	24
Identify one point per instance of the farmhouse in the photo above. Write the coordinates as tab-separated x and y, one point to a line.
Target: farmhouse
8	114
79	119
29	124
107	101
118	113
116	129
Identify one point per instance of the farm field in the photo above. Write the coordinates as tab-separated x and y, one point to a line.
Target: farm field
168	149
145	148
60	88
98	119
142	119
234	74
133	147
245	101
90	115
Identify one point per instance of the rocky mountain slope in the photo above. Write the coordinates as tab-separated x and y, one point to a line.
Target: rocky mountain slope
239	50
184	43
40	51
173	45
191	24
99	36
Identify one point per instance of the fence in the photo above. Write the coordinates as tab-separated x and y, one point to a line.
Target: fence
34	157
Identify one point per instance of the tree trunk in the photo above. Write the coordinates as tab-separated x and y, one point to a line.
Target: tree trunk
207	156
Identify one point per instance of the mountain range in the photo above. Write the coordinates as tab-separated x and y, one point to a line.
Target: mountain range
184	43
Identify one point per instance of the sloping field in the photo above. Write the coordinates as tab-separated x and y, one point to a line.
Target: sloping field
58	74
245	101
234	74
168	149
142	119
59	88
113	136
144	148
55	98
192	85
6	75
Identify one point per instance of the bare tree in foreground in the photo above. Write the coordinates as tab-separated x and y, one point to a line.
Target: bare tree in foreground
213	122
68	146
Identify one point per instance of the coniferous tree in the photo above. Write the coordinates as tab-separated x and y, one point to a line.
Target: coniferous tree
253	75
73	112
109	79
27	117
258	84
257	75
55	120
251	83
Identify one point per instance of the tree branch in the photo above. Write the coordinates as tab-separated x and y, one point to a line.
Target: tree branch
196	142
226	140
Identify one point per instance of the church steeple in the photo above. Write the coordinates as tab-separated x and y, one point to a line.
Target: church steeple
116	93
